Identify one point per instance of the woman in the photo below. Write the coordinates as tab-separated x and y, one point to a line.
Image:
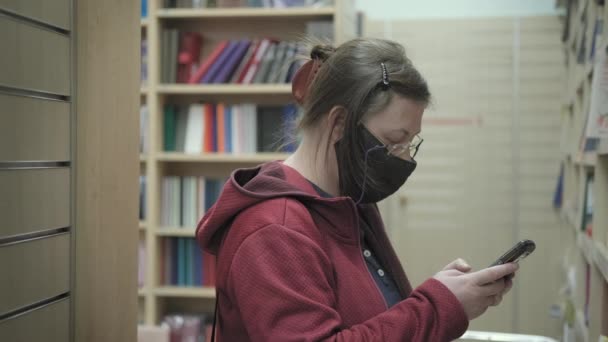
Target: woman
302	251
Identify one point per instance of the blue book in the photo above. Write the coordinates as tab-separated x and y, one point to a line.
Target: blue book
219	62
181	262
197	254
231	62
228	128
189	262
209	200
144	8
174	261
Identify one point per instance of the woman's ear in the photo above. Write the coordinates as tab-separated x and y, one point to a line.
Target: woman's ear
336	120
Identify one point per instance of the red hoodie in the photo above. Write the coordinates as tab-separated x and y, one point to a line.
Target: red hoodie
290	268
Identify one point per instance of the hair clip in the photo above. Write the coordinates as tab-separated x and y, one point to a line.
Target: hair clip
385	83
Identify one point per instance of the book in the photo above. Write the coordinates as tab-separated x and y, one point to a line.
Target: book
221	127
172	62
141	268
188	56
596	126
228	129
164	60
277	63
143	129
144	61
169	128
144	8
255	62
288	59
210	128
207	63
181	119
189	203
267	61
239	71
231	62
194	129
142	197
219	62
209	117
184	263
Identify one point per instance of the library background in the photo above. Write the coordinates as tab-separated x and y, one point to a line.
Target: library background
516	147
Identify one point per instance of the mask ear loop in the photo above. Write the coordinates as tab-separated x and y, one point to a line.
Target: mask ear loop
377	147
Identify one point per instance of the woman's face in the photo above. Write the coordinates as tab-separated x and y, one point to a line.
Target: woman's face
398	123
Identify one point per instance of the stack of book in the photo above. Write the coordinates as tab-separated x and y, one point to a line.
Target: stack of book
185	264
244	3
184	200
245	128
231	61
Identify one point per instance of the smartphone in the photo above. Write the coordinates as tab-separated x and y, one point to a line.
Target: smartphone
521	250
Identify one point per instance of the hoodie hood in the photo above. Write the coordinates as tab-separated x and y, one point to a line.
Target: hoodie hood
248	187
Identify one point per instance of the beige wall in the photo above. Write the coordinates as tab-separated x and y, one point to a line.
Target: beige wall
488	166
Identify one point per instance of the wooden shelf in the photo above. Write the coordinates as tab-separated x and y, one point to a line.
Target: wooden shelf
270	13
175	231
226	89
185	292
586	159
220	157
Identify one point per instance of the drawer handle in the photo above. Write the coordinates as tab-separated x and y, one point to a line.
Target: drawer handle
34	22
33	94
33	307
34	164
28	237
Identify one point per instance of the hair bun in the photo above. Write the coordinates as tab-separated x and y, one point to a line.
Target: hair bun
322	51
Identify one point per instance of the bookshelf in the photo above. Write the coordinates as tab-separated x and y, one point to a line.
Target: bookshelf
585	177
214	24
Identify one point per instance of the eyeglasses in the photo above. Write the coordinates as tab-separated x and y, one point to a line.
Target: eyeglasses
398	150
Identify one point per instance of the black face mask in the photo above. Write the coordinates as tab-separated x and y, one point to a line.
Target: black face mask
381	174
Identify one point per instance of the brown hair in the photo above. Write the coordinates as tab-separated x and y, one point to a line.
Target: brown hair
351	76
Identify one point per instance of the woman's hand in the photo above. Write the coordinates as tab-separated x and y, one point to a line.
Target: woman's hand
477	291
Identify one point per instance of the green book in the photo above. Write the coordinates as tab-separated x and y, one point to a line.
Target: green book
169	128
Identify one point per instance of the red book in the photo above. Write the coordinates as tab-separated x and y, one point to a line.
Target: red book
208	134
221	134
204	67
188	55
